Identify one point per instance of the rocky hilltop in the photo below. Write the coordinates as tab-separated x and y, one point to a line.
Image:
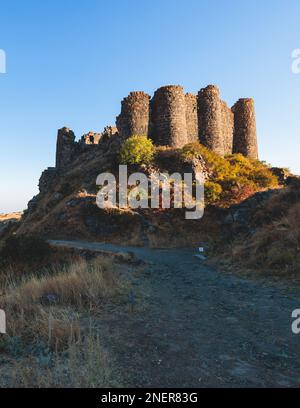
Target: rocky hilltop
189	133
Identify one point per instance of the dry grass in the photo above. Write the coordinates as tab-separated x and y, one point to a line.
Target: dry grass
79	284
48	342
16	216
274	248
46	308
84	364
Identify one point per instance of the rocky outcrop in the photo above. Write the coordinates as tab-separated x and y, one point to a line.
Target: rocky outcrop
239	217
47	178
281	174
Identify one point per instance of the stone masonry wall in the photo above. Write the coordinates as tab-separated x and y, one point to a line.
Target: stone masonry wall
210	118
65	147
134	117
227	127
168	117
91	138
244	137
191	102
172	119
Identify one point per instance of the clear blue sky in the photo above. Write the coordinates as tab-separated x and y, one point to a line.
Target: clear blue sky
70	62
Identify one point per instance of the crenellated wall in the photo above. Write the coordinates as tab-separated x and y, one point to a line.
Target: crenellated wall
244	135
168	117
135	115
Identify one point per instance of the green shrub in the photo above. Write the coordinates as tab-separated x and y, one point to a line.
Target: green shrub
217	165
212	192
191	151
236	182
239	161
231	178
137	150
263	177
24	249
254	170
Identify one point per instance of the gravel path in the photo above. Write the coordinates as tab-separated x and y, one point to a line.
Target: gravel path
195	327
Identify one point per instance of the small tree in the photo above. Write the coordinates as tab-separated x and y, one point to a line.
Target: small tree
137	150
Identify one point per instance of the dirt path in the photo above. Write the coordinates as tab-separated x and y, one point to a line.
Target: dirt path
194	327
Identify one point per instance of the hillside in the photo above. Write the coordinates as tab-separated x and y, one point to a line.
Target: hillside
10	216
263	234
7	220
171	133
66	207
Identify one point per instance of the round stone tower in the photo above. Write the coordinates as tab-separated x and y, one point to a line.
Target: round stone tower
134	117
210	119
191	101
169	117
244	137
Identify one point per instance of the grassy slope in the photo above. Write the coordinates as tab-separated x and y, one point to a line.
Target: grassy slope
51	339
67	210
270	244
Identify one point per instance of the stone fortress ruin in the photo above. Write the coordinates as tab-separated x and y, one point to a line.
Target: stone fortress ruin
173	118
